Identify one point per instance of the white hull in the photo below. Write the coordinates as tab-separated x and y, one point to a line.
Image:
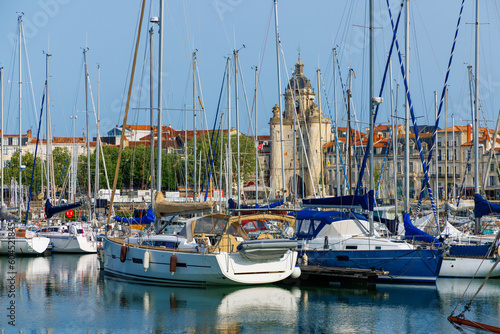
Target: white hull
194	269
70	243
24	246
464	267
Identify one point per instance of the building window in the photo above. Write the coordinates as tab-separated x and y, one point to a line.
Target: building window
492	168
492	180
15	141
469	168
411	167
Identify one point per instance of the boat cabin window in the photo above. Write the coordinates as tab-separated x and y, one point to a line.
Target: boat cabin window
206	225
160	243
309	228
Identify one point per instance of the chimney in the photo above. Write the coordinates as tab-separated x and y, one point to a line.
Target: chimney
29	135
469	132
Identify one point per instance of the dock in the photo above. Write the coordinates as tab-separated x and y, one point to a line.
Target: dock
320	274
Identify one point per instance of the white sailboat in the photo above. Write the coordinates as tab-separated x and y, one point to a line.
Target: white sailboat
71	238
19	241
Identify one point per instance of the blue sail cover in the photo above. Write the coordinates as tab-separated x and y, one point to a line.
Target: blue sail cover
148	218
233	205
483	207
413	233
392	224
51	210
365	201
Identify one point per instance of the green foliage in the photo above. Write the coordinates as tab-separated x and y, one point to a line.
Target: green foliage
247	156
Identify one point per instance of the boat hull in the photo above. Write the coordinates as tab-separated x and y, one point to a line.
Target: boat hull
24	246
467	267
403	265
192	268
70	243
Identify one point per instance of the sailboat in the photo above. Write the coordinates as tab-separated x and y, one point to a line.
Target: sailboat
71	238
20	240
210	250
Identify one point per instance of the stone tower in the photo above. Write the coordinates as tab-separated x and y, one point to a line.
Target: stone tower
301	138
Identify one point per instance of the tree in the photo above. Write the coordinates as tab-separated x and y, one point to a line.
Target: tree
211	156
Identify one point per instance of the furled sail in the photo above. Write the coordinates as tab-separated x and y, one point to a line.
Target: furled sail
51	210
366	201
164	207
148	218
413	233
483	207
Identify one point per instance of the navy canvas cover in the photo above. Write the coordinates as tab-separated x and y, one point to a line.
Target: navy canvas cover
413	233
365	201
482	207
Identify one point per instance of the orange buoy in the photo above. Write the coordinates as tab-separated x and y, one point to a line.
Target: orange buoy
123	253
173	263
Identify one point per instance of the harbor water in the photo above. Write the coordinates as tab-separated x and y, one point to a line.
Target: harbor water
68	293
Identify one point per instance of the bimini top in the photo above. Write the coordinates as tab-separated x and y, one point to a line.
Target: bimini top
311	224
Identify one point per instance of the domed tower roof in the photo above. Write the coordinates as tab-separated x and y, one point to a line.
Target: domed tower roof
299	80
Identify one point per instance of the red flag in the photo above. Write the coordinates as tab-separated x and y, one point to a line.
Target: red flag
261	145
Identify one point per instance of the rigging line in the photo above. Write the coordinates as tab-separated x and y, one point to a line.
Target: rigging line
29	73
249	114
210	154
426	35
187	25
34	159
336	139
301	135
383	162
443	93
11	75
219	14
394	39
139	23
122	139
185	52
414	120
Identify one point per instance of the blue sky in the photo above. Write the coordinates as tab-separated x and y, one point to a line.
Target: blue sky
215	28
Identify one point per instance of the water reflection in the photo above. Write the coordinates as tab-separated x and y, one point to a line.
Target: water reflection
68	293
212	309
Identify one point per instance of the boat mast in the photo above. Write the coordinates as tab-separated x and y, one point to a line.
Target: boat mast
20	19
1	135
407	110
349	134
47	130
394	144
236	100
446	148
151	116
98	141
320	135
453	155
279	99
160	100
194	126
370	144
74	160
87	119
476	113
229	182
436	185
256	141
337	177
185	153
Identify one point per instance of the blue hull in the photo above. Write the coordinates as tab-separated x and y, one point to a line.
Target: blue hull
414	266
